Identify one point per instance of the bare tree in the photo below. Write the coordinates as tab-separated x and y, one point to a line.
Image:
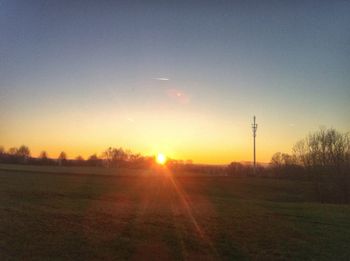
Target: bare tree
326	148
23	153
115	156
285	164
277	160
325	153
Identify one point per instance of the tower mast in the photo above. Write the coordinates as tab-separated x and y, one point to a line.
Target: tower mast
254	128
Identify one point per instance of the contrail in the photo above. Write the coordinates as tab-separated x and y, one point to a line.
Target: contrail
161	79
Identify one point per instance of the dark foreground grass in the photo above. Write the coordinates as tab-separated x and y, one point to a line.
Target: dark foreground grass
156	216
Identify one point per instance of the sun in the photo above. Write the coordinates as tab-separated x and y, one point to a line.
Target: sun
161	159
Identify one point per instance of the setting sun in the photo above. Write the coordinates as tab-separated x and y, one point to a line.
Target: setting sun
161	159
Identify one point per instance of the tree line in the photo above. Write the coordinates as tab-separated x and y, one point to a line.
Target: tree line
111	157
322	157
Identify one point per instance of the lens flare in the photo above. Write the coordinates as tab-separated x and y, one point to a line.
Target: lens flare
161	159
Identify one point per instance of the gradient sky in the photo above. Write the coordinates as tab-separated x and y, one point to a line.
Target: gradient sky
180	77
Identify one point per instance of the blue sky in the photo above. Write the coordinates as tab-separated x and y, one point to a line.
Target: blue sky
91	67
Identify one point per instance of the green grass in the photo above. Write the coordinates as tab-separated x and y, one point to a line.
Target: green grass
140	215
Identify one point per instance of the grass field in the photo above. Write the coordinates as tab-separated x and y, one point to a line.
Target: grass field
155	215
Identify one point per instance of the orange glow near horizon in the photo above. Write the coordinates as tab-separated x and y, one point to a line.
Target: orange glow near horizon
182	134
198	141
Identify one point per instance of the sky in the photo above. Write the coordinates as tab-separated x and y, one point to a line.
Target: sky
183	78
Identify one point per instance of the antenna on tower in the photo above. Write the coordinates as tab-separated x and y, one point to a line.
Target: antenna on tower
254	128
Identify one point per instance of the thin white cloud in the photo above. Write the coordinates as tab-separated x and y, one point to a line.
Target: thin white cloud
161	79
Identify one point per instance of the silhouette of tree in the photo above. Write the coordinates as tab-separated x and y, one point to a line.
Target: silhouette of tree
93	157
277	160
44	158
79	160
43	155
114	156
23	153
62	158
325	153
235	168
2	154
12	151
135	157
284	164
326	148
93	160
